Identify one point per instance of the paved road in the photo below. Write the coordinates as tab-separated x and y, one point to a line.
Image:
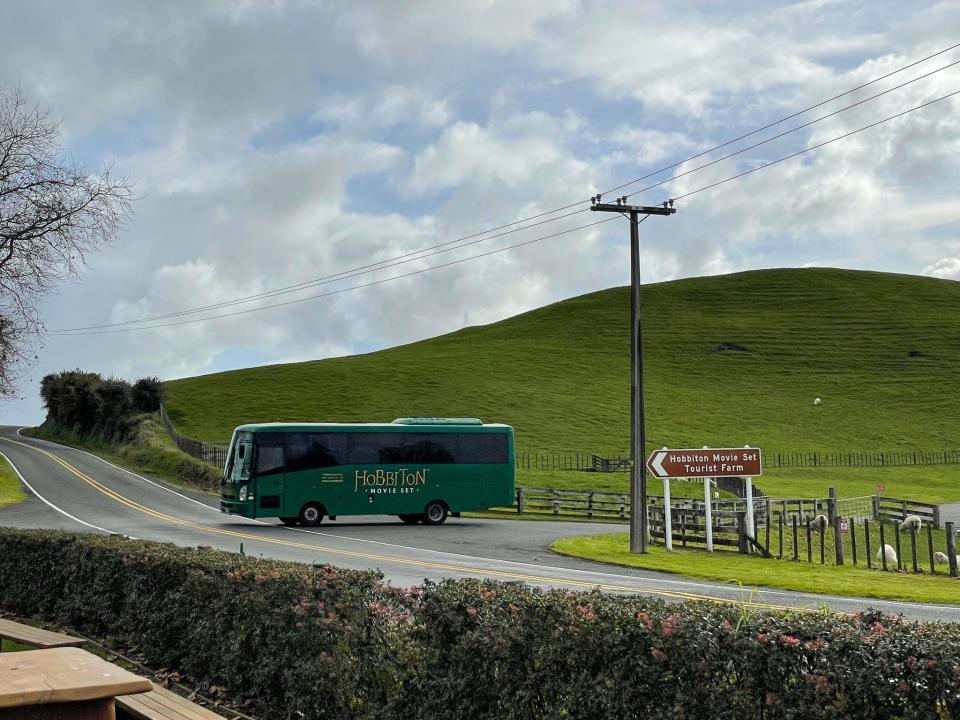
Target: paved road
74	490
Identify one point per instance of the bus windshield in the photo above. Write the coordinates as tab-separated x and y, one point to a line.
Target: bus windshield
239	468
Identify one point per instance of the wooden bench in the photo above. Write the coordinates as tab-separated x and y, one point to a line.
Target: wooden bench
161	704
35	637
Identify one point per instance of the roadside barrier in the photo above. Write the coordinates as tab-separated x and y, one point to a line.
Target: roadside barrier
312	642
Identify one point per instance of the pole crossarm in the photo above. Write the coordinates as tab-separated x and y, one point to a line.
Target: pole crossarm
640	209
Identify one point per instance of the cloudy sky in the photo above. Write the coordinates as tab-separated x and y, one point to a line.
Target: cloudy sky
274	143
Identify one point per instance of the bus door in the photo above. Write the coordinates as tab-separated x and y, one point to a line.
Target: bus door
270	468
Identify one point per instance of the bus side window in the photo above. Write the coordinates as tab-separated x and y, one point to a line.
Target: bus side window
482	448
269	459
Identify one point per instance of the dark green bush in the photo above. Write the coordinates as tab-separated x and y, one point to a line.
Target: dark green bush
146	395
90	406
317	642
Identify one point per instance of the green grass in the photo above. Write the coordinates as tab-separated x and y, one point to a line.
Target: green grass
560	376
150	451
759	572
11	491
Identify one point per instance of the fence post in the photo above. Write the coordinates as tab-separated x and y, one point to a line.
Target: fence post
796	540
853	541
951	549
866	535
520	500
835	523
933	567
883	546
590	505
810	543
896	537
780	526
742	530
913	548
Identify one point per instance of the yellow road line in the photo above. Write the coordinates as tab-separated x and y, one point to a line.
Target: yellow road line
389	558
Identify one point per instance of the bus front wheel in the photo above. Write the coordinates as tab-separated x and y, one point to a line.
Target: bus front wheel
311	515
435	513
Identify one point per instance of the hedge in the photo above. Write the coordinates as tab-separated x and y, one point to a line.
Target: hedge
319	642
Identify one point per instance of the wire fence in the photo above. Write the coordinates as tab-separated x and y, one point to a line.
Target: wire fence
619	461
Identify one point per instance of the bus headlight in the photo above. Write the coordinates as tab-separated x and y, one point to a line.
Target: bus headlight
243	493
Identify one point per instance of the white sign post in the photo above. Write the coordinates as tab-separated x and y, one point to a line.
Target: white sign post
708	511
667	516
749	493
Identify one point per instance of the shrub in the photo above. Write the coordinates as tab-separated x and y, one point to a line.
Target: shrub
319	642
146	395
91	406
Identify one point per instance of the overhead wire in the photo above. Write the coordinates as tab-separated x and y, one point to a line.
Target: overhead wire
528	242
346	289
426	252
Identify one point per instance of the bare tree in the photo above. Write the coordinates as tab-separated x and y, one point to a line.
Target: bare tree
53	213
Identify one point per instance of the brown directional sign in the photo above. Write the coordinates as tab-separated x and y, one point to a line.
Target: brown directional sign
705	462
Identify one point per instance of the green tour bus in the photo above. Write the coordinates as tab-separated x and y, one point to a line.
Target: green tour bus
420	469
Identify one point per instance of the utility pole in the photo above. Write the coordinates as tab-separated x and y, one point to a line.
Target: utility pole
638	434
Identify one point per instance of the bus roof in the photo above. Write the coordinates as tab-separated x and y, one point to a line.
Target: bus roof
399	425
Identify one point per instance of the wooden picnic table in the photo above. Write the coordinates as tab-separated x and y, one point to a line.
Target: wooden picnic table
62	683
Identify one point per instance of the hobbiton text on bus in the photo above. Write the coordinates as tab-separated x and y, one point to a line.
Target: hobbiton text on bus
420	469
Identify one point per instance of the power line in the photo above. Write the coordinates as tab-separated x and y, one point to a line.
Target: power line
814	147
342	290
528	242
791	130
392	262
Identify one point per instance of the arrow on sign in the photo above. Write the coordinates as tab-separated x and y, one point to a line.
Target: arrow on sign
655	463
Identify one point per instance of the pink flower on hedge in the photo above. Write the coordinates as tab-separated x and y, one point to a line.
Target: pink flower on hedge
761	637
789	640
487	594
472	612
569	595
877	627
645	619
658	654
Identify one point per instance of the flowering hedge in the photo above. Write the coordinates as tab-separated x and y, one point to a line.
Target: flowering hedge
318	642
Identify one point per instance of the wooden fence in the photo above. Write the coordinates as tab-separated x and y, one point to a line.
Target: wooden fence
619	461
214	453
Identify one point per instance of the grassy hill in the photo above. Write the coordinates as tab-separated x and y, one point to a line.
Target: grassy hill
734	359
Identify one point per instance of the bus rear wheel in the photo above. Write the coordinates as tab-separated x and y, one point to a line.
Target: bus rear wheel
289	520
435	513
311	514
411	519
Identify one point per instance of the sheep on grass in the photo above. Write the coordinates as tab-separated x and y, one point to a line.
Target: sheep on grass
911	522
888	552
819	523
943	559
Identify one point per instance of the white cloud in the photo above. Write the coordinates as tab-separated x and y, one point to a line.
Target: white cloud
947	268
273	143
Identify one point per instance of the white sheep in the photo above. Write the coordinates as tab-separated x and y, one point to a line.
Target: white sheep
943	559
819	523
816	400
911	522
888	552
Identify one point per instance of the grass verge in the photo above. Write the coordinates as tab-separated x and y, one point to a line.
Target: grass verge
759	572
150	451
11	492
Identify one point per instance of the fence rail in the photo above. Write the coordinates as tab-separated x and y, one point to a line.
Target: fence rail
619	461
215	453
